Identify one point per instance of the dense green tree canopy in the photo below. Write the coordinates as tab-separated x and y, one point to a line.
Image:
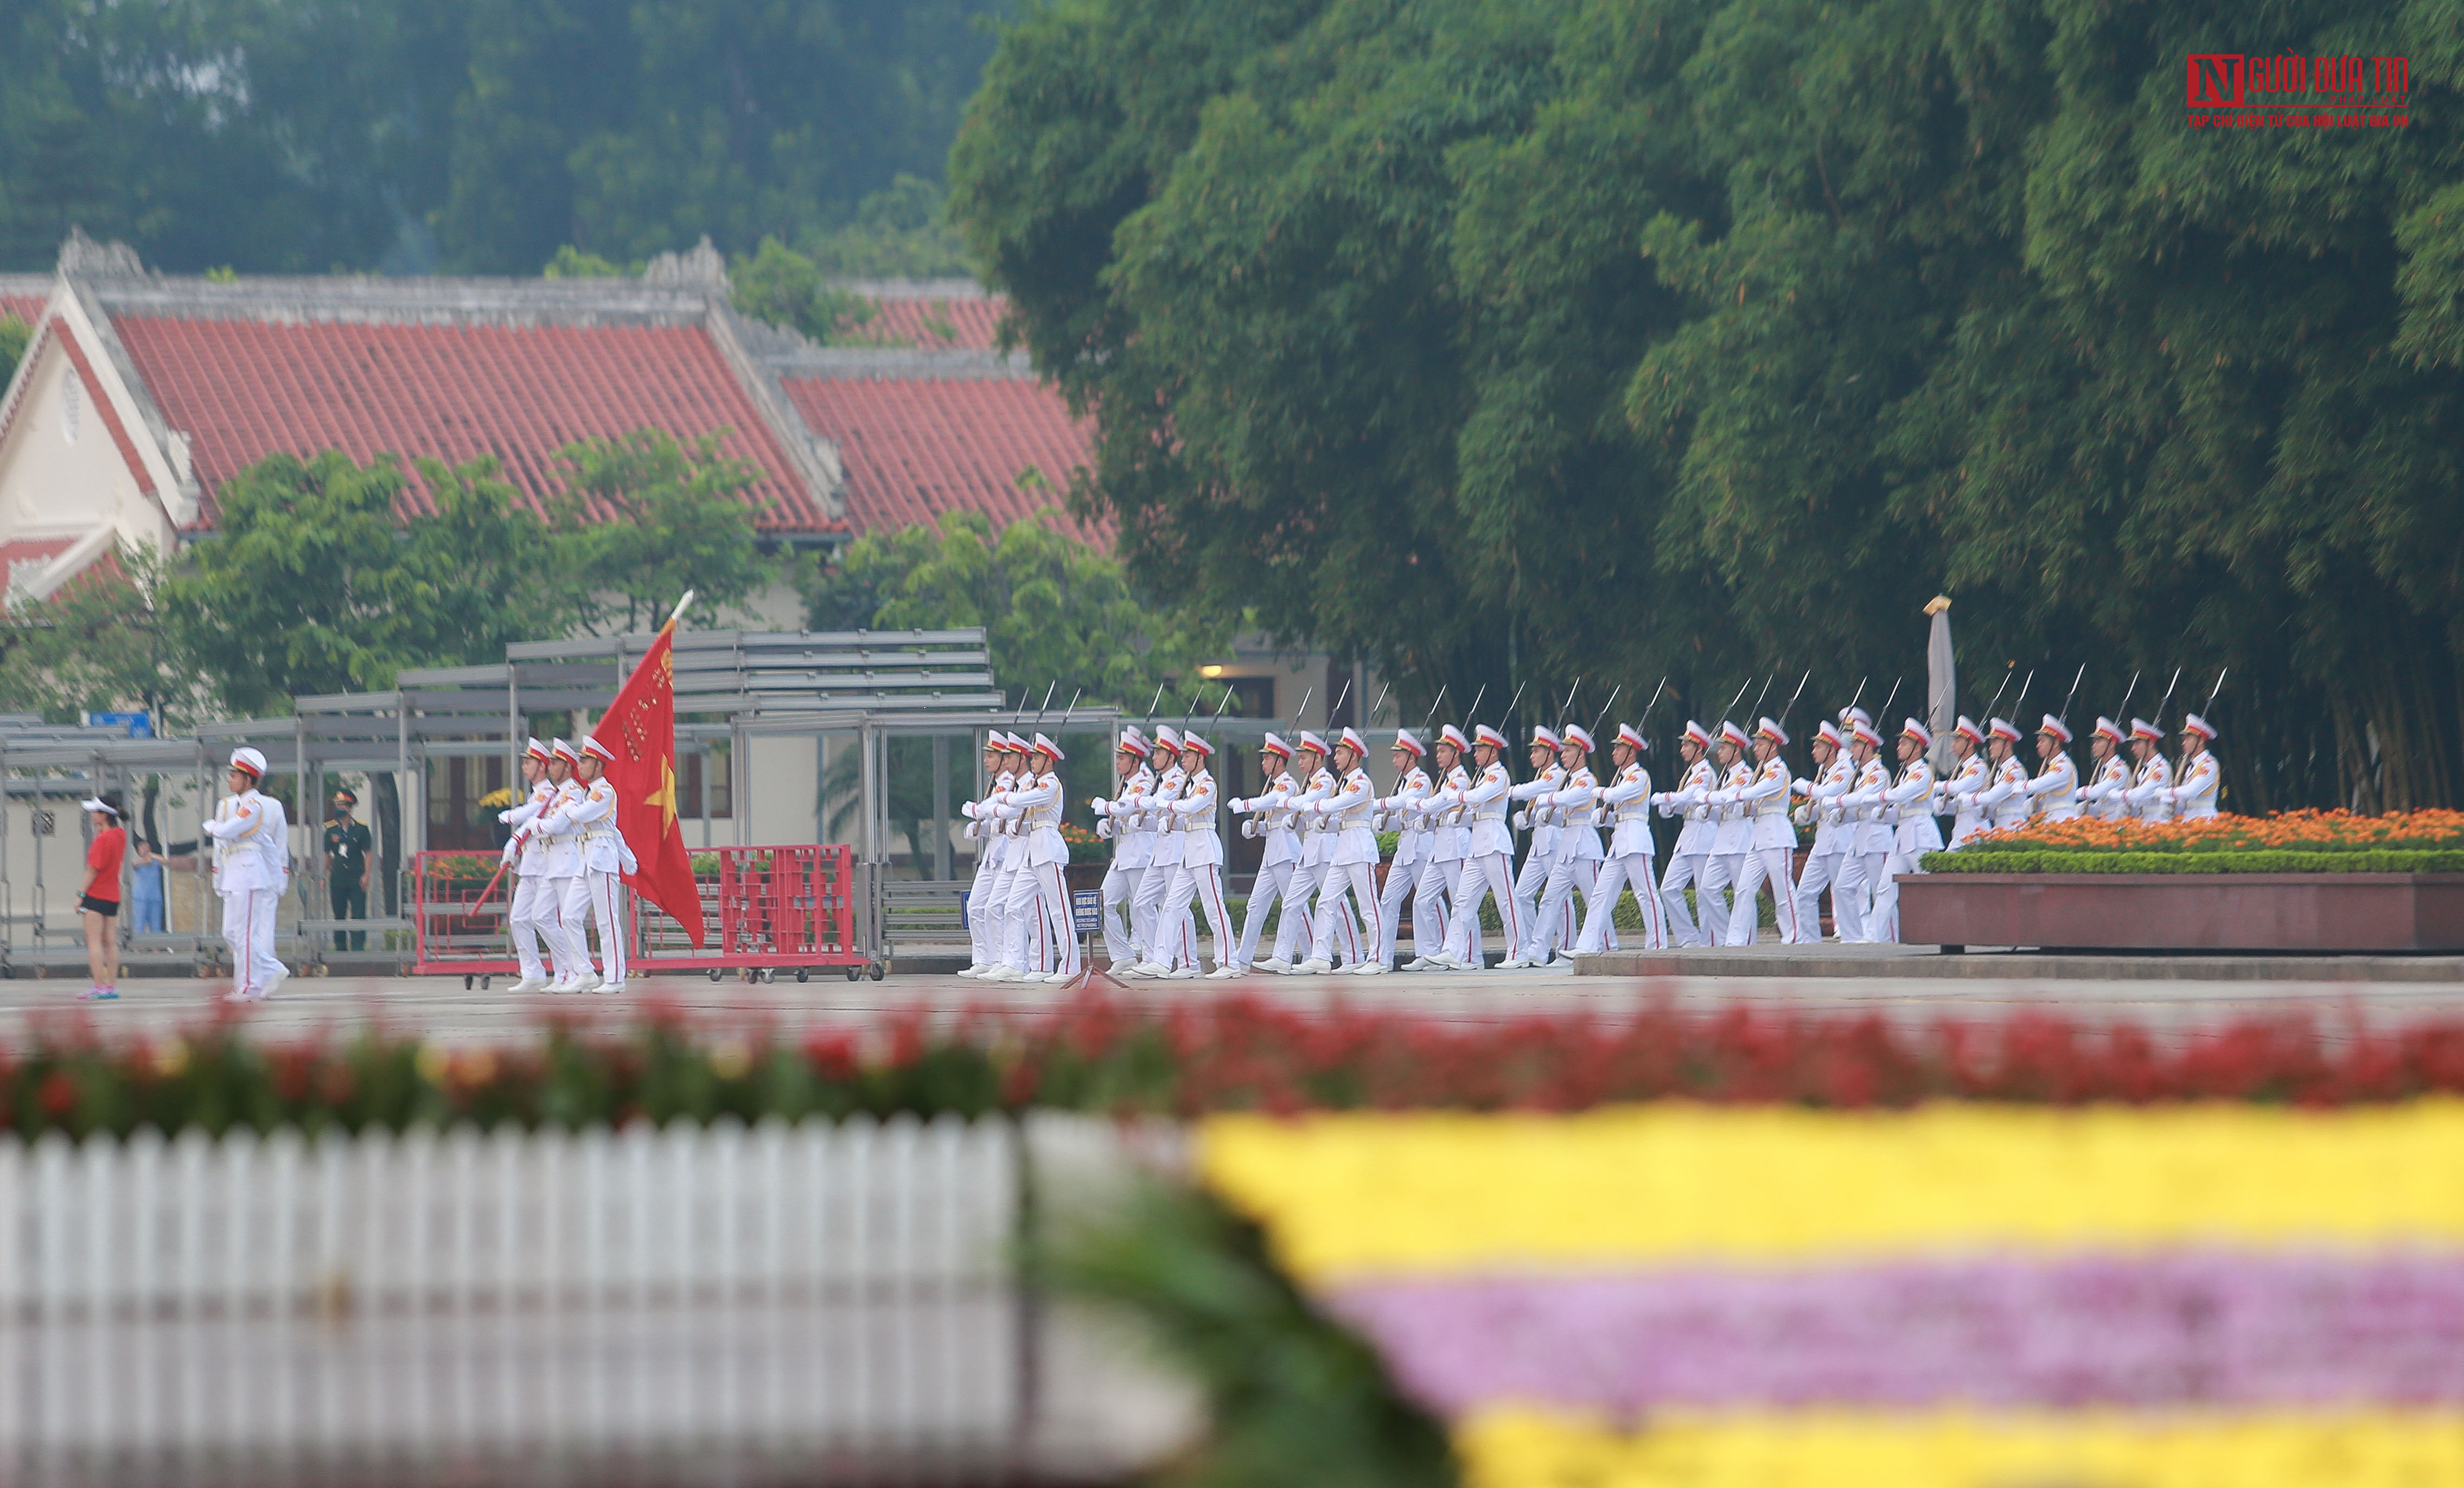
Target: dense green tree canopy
1606	338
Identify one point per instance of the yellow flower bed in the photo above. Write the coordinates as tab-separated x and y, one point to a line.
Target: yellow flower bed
1514	1447
1376	1194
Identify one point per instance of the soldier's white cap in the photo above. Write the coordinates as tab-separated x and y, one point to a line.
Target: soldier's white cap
536	750
1771	730
1482	733
1131	744
1045	747
250	760
1350	740
1311	744
2109	728
2003	729
1450	734
1852	713
2055	727
592	745
1275	746
1576	733
1631	737
1967	727
1405	741
2193	723
1195	745
97	804
565	751
1917	731
1698	733
1861	731
1731	734
2141	729
1544	738
1827	732
1167	737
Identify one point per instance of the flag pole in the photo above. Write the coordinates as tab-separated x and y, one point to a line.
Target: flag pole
680	612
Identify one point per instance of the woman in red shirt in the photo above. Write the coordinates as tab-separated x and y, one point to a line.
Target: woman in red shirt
101	903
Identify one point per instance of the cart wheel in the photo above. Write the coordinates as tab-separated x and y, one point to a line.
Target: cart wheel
803	974
466	983
770	976
879	970
854	972
484	981
716	974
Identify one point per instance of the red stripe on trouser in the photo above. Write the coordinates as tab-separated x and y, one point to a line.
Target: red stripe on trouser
1217	917
1057	919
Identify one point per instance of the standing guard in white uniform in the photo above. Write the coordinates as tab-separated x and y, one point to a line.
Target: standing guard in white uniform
2105	795
1771	843
1732	834
2196	787
1862	812
2054	787
1956	795
1449	839
588	816
1414	846
1576	855
1907	808
1351	866
252	837
1132	851
2005	798
1631	854
983	902
2152	785
533	917
1198	875
1270	816
1832	779
1487	856
1688	860
1547	777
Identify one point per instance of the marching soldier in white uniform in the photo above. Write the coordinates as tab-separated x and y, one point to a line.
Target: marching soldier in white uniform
2105	795
1415	844
1829	864
1350	863
563	843
984	946
2193	793
1041	931
1449	841
252	837
1487	856
1166	941
2152	785
1691	799
1862	810
1956	796
1631	853
586	816
2005	798
1732	836
1131	852
2055	788
1311	783
1576	855
1270	816
1908	810
534	917
1547	777
1770	841
1199	873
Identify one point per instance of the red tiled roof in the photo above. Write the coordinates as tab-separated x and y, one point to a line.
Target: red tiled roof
243	390
935	325
28	308
31	550
915	448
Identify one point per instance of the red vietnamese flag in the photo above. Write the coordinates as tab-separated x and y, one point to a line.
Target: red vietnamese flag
640	730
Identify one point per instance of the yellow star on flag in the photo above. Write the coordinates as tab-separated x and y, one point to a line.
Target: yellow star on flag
665	796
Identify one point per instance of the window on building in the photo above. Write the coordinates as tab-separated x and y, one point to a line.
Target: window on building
697	787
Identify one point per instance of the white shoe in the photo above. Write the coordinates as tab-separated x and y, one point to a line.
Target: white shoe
591	981
1312	967
973	971
530	984
1419	963
1370	968
608	988
1181	973
1220	973
1057	977
1134	969
1004	973
281	974
1275	964
1513	963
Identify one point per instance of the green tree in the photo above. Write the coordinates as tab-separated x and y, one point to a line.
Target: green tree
784	287
1606	339
901	231
14	336
101	643
643	518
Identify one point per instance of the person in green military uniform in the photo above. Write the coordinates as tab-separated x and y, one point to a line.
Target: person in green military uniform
346	867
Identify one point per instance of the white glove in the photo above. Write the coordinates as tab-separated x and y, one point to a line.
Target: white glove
1104	829
1103	807
966	808
1522	821
505	817
512	847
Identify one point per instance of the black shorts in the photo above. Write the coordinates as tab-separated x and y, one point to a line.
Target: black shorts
103	906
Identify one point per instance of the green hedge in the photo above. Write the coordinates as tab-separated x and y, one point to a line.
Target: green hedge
2256	860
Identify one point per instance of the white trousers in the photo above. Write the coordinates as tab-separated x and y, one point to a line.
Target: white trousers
248	928
1120	887
1843	874
988	908
1484	874
1274	887
1439	879
1600	918
1413	881
1146	913
591	896
1883	925
1870	866
1292	932
1764	866
534	919
1687	869
568	947
1552	924
1529	883
1041	935
1333	910
1202	883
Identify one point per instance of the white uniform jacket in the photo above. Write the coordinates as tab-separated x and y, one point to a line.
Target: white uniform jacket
533	848
1450	840
1692	800
253	834
2105	797
1156	807
1483	803
2194	791
1570	805
1909	807
1132	842
1765	798
1344	815
1959	791
1628	800
1035	807
563	838
589	817
2005	798
1273	810
2151	794
1306	819
1193	814
1732	830
1831	833
2056	788
1864	804
1415	841
1536	791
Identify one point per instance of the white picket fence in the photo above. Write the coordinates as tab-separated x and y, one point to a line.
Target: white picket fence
820	1287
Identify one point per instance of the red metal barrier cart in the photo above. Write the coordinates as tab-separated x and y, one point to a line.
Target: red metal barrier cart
767	910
